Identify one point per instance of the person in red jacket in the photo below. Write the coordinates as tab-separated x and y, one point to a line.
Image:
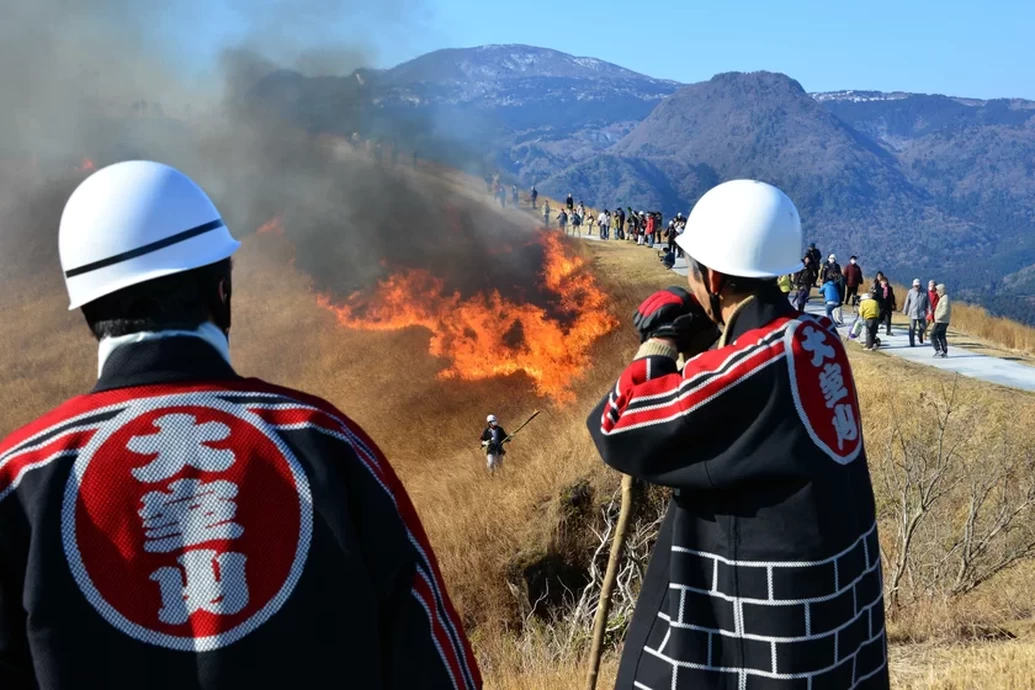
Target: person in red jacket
180	526
853	281
932	296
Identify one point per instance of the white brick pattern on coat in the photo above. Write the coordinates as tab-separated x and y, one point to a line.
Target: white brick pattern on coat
810	625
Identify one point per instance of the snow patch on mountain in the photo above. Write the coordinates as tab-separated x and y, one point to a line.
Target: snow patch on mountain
859	96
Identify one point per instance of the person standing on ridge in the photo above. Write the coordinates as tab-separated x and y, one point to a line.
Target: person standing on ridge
942	318
817	258
182	527
869	312
514	195
853	281
546	213
772	518
493	439
570	203
535	196
932	297
803	281
915	308
889	304
831	296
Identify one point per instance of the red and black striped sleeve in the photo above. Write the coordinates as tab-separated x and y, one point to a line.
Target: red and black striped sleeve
667	428
423	640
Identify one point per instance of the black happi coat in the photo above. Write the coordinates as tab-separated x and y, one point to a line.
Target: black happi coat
766	573
495	438
300	564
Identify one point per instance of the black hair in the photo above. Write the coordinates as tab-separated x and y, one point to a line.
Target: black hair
182	301
737	284
853	256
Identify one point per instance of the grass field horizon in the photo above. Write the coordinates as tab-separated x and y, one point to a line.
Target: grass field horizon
489	531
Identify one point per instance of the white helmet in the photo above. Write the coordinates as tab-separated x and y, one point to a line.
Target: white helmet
491	419
136	221
744	228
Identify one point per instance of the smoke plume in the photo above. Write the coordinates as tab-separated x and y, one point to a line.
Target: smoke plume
108	80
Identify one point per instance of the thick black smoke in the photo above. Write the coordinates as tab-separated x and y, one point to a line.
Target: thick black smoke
111	80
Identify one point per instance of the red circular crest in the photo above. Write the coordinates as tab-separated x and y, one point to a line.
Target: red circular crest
187	521
823	389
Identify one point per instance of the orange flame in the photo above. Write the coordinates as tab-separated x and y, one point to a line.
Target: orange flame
271	227
485	335
86	166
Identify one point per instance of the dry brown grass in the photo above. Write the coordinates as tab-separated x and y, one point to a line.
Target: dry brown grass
982	666
976	321
480	524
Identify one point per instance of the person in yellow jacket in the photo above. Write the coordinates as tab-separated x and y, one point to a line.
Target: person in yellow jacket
785	284
869	312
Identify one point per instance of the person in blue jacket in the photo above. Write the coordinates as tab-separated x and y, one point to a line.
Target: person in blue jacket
831	292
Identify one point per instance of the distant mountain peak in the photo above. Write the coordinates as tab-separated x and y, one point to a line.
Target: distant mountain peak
758	77
503	62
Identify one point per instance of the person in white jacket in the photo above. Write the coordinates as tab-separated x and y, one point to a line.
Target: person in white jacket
604	221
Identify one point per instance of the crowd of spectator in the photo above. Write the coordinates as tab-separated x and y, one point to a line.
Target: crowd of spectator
873	306
645	228
838	287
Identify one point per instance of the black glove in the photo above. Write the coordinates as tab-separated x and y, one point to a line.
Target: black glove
675	313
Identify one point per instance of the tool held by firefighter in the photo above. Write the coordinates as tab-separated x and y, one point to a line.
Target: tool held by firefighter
670	313
772	516
526	423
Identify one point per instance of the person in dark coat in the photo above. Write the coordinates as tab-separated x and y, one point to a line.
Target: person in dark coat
493	439
766	572
888	303
816	258
831	266
803	282
853	281
182	527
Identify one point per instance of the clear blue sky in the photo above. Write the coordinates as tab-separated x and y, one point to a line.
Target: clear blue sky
956	47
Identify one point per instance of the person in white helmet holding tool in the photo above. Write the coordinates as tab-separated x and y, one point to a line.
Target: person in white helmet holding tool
767	568
493	439
183	527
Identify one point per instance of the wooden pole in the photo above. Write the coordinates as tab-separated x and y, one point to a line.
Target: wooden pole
607	587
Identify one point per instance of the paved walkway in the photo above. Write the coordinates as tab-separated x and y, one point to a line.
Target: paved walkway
965	362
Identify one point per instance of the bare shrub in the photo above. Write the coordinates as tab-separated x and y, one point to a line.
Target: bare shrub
957	510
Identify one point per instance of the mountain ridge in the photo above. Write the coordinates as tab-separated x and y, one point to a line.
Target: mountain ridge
943	185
